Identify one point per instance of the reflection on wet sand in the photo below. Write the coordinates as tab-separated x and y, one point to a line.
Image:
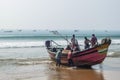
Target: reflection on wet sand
46	70
66	73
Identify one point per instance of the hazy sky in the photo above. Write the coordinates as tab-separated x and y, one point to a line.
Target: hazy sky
60	14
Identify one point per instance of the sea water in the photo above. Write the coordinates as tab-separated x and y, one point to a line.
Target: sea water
23	55
13	43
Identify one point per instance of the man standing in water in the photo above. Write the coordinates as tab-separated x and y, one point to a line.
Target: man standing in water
58	57
69	57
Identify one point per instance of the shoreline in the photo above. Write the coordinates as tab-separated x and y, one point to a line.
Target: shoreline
47	70
35	64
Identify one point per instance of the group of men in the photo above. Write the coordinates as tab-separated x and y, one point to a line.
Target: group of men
93	41
87	42
74	46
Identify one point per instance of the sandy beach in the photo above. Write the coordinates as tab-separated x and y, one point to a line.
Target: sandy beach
45	69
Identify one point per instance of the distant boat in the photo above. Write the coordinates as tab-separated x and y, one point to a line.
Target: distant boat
8	31
88	57
34	30
20	30
76	30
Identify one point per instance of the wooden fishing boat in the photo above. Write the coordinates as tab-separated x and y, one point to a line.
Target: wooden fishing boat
88	57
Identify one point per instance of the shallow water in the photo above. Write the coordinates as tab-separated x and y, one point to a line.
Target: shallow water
27	64
48	71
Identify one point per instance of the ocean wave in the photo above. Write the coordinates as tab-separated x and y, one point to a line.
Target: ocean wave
114	54
27	61
115	44
33	62
21	44
38	43
27	44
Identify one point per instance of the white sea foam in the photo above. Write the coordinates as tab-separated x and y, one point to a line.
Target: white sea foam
21	44
27	44
114	54
116	42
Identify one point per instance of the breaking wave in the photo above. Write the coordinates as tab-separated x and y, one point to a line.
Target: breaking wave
21	44
29	61
114	54
29	44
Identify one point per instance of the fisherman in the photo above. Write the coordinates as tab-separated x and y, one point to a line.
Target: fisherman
76	48
68	47
69	57
58	57
86	42
74	41
94	40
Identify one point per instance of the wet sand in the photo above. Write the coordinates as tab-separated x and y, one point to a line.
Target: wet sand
46	70
43	68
